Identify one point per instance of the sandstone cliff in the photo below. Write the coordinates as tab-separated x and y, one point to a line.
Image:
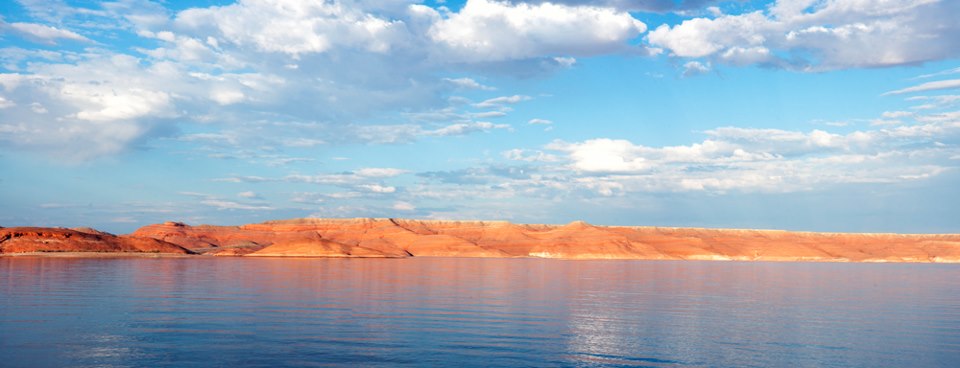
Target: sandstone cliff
57	240
577	240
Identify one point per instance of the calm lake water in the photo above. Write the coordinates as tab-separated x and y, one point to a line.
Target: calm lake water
143	312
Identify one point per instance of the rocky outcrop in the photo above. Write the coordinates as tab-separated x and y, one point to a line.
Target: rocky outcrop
577	240
57	240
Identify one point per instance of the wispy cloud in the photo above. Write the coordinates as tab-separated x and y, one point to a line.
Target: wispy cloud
502	100
926	87
44	33
538	121
468	83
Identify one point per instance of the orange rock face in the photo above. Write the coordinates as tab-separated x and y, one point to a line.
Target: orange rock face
577	240
45	240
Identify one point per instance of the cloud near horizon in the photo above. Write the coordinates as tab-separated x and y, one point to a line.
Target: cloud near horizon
765	160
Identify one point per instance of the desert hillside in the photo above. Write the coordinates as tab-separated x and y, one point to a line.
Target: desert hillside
17	240
577	240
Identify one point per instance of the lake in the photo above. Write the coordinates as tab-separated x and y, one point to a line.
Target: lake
199	312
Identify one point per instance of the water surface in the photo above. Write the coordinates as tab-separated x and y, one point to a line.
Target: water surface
198	312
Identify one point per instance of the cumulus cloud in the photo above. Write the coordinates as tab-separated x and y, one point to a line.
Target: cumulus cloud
101	106
490	30
328	64
660	6
751	160
817	35
603	155
294	27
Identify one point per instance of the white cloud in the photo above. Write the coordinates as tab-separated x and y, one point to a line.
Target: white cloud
935	102
303	142
537	121
227	96
248	194
488	114
468	83
377	172
231	205
486	30
242	66
603	155
5	103
501	101
100	106
692	68
565	61
896	114
518	154
817	35
358	182
943	117
377	188
44	33
294	27
466	128
750	160
245	179
940	73
929	86
185	49
108	104
38	108
403	206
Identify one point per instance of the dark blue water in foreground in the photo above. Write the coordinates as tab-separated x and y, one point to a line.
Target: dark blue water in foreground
199	312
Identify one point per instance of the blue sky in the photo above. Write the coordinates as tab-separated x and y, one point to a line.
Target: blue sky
829	115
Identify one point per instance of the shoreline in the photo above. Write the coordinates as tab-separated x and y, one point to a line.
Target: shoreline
115	255
403	238
100	255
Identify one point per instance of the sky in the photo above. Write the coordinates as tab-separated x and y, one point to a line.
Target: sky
814	115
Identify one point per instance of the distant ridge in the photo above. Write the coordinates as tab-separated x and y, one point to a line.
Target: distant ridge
395	237
399	238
